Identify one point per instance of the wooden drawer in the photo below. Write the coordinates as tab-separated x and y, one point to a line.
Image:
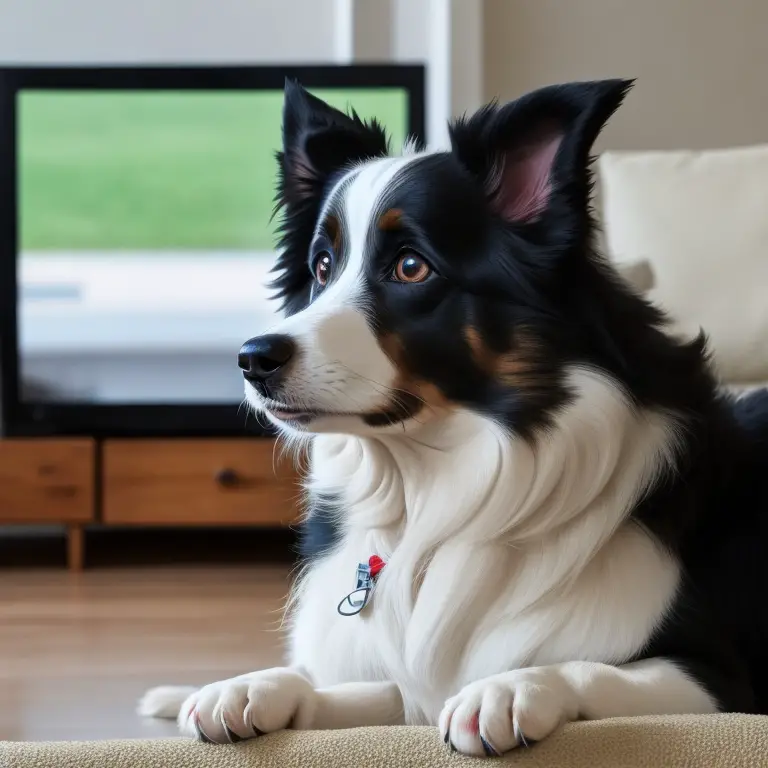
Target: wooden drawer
46	480
197	482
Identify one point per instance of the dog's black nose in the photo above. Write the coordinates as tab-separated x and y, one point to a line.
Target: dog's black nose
264	356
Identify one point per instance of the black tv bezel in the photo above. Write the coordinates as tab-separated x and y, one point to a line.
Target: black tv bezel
158	419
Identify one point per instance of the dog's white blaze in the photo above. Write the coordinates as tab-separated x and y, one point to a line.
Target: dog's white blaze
500	553
341	366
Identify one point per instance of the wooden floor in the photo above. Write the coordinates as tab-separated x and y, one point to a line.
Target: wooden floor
77	650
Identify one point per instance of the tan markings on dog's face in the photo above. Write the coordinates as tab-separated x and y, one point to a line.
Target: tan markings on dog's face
392	346
391	220
485	358
333	230
519	366
432	395
426	393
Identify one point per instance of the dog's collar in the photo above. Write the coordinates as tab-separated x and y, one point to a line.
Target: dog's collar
360	596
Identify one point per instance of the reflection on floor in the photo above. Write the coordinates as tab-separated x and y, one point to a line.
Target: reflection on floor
76	651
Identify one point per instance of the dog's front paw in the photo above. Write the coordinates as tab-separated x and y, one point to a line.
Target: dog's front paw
248	706
512	709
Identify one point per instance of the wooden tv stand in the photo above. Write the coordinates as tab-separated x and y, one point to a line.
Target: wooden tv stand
144	482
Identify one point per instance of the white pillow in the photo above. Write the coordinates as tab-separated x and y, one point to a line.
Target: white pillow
639	274
701	220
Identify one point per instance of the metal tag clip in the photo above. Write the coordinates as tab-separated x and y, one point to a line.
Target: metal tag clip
356	600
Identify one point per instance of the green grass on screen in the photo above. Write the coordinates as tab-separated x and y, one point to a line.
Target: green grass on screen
160	170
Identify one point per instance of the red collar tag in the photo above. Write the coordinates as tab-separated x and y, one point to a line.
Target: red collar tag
375	564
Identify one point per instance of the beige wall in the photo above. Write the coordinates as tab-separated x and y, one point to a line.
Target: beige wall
701	65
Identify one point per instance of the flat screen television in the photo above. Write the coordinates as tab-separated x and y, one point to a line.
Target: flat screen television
135	236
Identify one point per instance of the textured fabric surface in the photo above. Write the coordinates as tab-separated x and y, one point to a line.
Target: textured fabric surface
699	218
727	741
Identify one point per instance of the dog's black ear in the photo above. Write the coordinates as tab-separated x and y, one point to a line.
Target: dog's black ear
319	140
533	154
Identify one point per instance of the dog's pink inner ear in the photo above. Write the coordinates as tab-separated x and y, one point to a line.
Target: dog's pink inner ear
522	184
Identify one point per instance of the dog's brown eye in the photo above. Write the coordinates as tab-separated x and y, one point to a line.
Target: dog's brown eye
411	268
323	267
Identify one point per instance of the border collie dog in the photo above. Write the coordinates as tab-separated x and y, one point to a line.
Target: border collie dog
527	504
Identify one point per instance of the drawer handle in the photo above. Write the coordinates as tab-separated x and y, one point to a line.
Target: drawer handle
227	478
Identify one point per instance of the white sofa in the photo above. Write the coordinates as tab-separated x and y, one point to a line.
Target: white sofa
691	227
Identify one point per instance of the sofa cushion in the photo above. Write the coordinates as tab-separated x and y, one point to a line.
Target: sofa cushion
715	741
701	220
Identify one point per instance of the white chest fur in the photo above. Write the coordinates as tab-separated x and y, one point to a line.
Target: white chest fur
500	553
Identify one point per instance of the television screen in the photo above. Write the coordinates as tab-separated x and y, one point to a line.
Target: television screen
145	239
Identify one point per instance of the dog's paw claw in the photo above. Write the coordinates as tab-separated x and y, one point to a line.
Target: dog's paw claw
521	738
246	707
231	735
492	716
490	750
201	734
